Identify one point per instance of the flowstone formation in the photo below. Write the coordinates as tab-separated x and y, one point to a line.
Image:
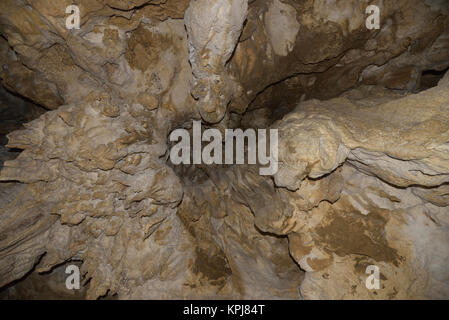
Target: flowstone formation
363	153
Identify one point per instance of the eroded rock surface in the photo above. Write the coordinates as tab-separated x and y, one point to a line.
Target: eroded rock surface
363	120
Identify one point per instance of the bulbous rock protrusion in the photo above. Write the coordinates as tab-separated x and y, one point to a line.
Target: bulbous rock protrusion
212	41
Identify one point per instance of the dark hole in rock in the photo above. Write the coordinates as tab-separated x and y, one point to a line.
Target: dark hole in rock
430	78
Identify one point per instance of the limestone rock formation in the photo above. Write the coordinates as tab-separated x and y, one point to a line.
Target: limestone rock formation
86	176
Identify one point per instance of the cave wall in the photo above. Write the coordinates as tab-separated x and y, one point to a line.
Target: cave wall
363	148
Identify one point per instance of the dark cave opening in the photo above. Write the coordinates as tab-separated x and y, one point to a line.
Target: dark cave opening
15	110
430	78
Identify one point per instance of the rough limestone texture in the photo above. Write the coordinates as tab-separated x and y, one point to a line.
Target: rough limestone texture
86	179
365	190
213	29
